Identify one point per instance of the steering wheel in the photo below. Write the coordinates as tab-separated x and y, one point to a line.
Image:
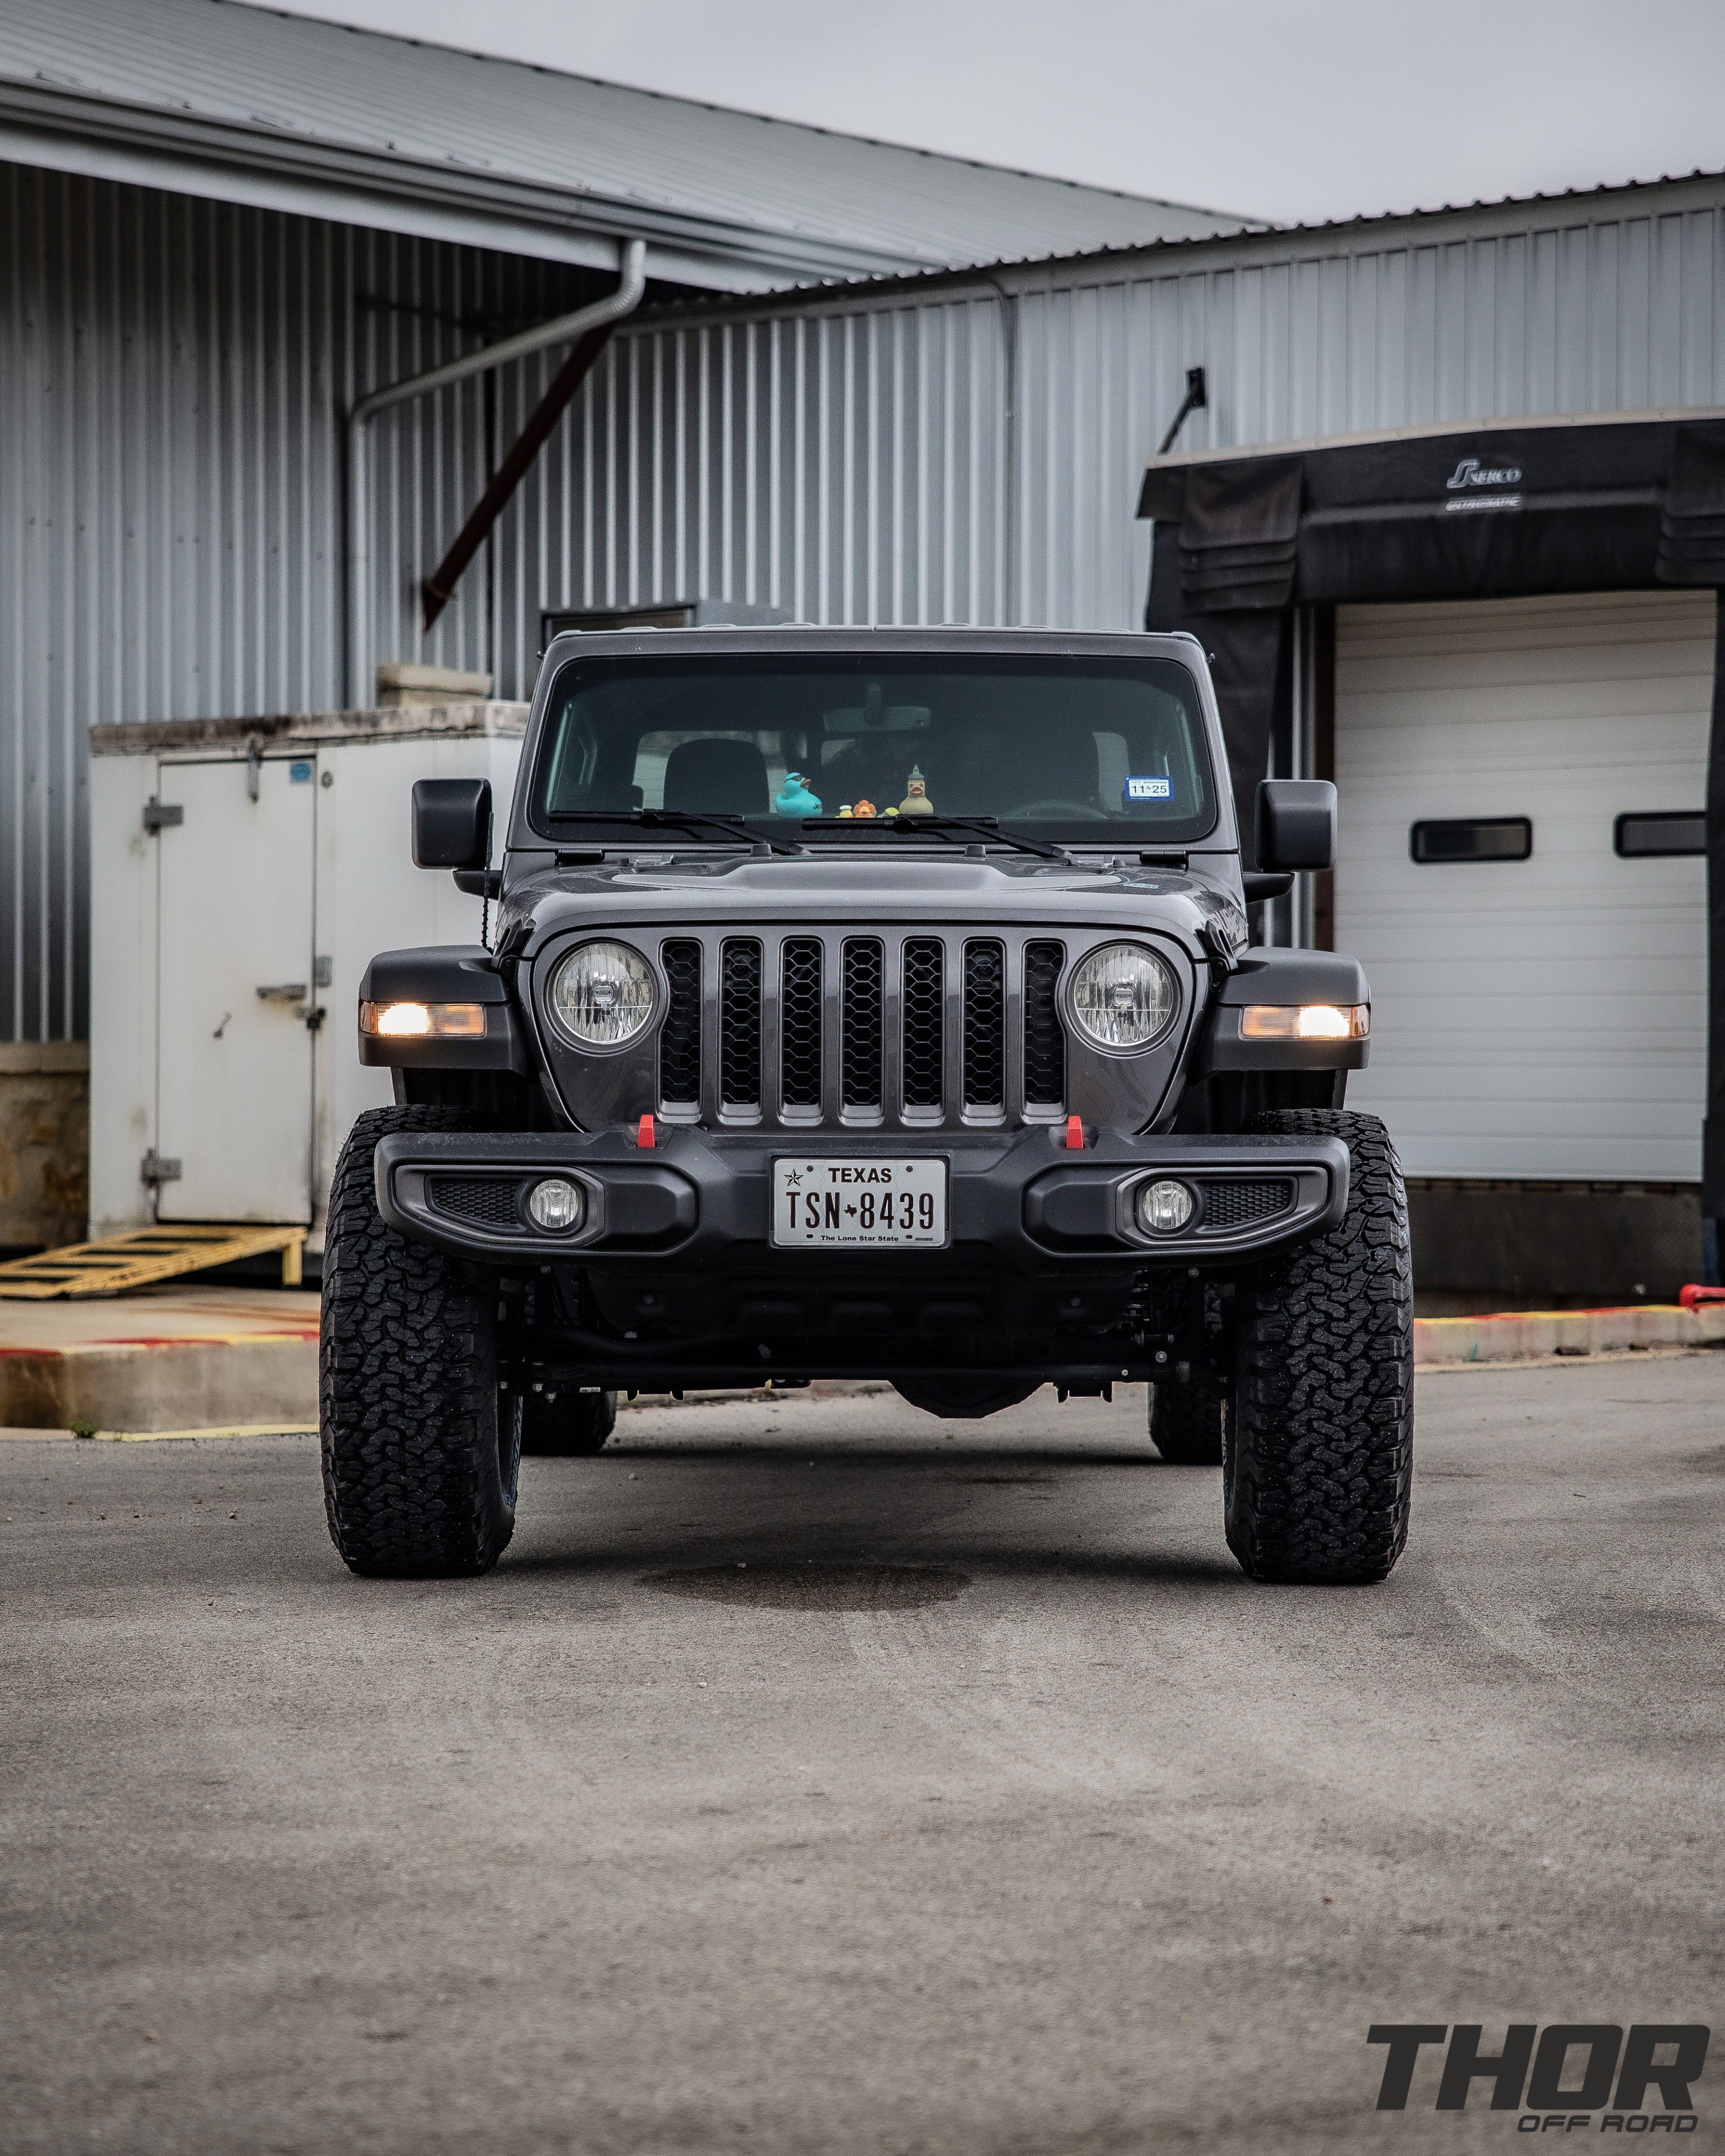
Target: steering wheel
1083	812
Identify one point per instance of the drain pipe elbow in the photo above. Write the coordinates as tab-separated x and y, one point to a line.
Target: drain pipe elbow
564	329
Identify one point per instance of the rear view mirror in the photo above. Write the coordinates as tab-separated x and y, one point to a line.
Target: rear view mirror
1294	826
452	823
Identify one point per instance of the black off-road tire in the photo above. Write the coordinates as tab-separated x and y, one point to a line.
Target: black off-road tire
566	1423
1319	1452
1186	1419
1186	1407
419	1464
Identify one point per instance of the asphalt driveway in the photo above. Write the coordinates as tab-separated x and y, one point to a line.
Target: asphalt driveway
813	1776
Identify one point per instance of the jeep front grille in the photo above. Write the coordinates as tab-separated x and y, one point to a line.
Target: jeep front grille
679	1036
984	1026
1044	1038
813	1029
740	1024
860	1032
923	995
799	1019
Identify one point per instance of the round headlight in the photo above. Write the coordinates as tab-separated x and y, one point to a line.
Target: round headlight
1164	1208
602	994
1123	997
555	1204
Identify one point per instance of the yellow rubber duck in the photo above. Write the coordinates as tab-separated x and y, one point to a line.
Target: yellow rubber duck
916	802
844	811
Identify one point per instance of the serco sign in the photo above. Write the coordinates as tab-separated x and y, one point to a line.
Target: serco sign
1475	486
1470	472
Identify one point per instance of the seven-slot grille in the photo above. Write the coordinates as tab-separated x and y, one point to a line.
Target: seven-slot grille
904	1027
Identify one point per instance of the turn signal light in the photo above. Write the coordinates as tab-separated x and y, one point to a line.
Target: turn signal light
415	1021
1305	1022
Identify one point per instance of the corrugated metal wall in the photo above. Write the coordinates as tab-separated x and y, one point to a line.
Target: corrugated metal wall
852	460
172	373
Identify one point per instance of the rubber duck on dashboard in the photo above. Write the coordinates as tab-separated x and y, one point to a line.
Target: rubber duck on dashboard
916	802
793	798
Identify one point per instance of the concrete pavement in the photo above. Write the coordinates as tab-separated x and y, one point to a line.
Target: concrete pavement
813	1776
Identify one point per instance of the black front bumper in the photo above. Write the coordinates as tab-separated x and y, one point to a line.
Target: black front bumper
1018	1202
672	1279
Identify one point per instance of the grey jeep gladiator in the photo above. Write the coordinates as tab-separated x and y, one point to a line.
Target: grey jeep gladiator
869	1005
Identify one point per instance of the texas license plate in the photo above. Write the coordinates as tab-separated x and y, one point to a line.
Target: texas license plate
858	1205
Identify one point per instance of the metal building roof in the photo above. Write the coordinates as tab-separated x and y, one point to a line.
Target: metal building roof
213	98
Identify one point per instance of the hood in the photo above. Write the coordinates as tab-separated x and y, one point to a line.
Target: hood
709	889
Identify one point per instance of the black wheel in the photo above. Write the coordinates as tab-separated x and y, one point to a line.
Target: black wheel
1186	1419
565	1422
1319	1451
1187	1406
419	1463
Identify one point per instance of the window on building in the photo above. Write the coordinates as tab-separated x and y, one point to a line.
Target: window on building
1662	831
1472	839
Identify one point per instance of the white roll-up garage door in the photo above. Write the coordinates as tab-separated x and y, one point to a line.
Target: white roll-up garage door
1545	1017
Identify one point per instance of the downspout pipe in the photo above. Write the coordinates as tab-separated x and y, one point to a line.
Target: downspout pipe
565	329
1008	451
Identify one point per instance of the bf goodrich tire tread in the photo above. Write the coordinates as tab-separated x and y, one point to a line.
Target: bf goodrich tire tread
1186	1413
1186	1420
573	1425
414	1485
1319	1459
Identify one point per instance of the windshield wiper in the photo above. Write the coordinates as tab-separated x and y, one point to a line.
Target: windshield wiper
672	819
940	827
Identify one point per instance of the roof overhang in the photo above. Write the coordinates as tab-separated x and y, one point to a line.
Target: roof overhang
215	161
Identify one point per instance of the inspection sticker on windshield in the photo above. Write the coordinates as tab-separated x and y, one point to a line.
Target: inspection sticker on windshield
1149	789
872	1204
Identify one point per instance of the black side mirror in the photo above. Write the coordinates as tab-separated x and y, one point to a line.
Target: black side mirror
452	823
1295	825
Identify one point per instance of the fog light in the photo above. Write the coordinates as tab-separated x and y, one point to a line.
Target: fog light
1164	1207
555	1204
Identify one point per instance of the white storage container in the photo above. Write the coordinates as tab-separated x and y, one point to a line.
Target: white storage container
242	874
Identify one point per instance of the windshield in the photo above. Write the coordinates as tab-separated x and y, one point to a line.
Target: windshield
1080	750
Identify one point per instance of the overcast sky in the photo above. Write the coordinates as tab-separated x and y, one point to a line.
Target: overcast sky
1293	110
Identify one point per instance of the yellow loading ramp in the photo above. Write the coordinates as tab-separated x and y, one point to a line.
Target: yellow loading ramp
143	1256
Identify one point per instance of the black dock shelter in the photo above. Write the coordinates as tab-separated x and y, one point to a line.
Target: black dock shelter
1529	509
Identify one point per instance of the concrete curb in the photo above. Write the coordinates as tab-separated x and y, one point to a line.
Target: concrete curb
149	1386
1517	1336
218	1385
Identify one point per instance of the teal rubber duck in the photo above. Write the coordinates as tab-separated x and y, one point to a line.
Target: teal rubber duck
793	798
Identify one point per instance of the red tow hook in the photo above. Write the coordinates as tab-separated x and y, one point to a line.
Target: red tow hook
1692	1296
1075	1134
645	1135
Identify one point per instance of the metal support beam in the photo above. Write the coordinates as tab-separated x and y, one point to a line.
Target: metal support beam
565	329
439	588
